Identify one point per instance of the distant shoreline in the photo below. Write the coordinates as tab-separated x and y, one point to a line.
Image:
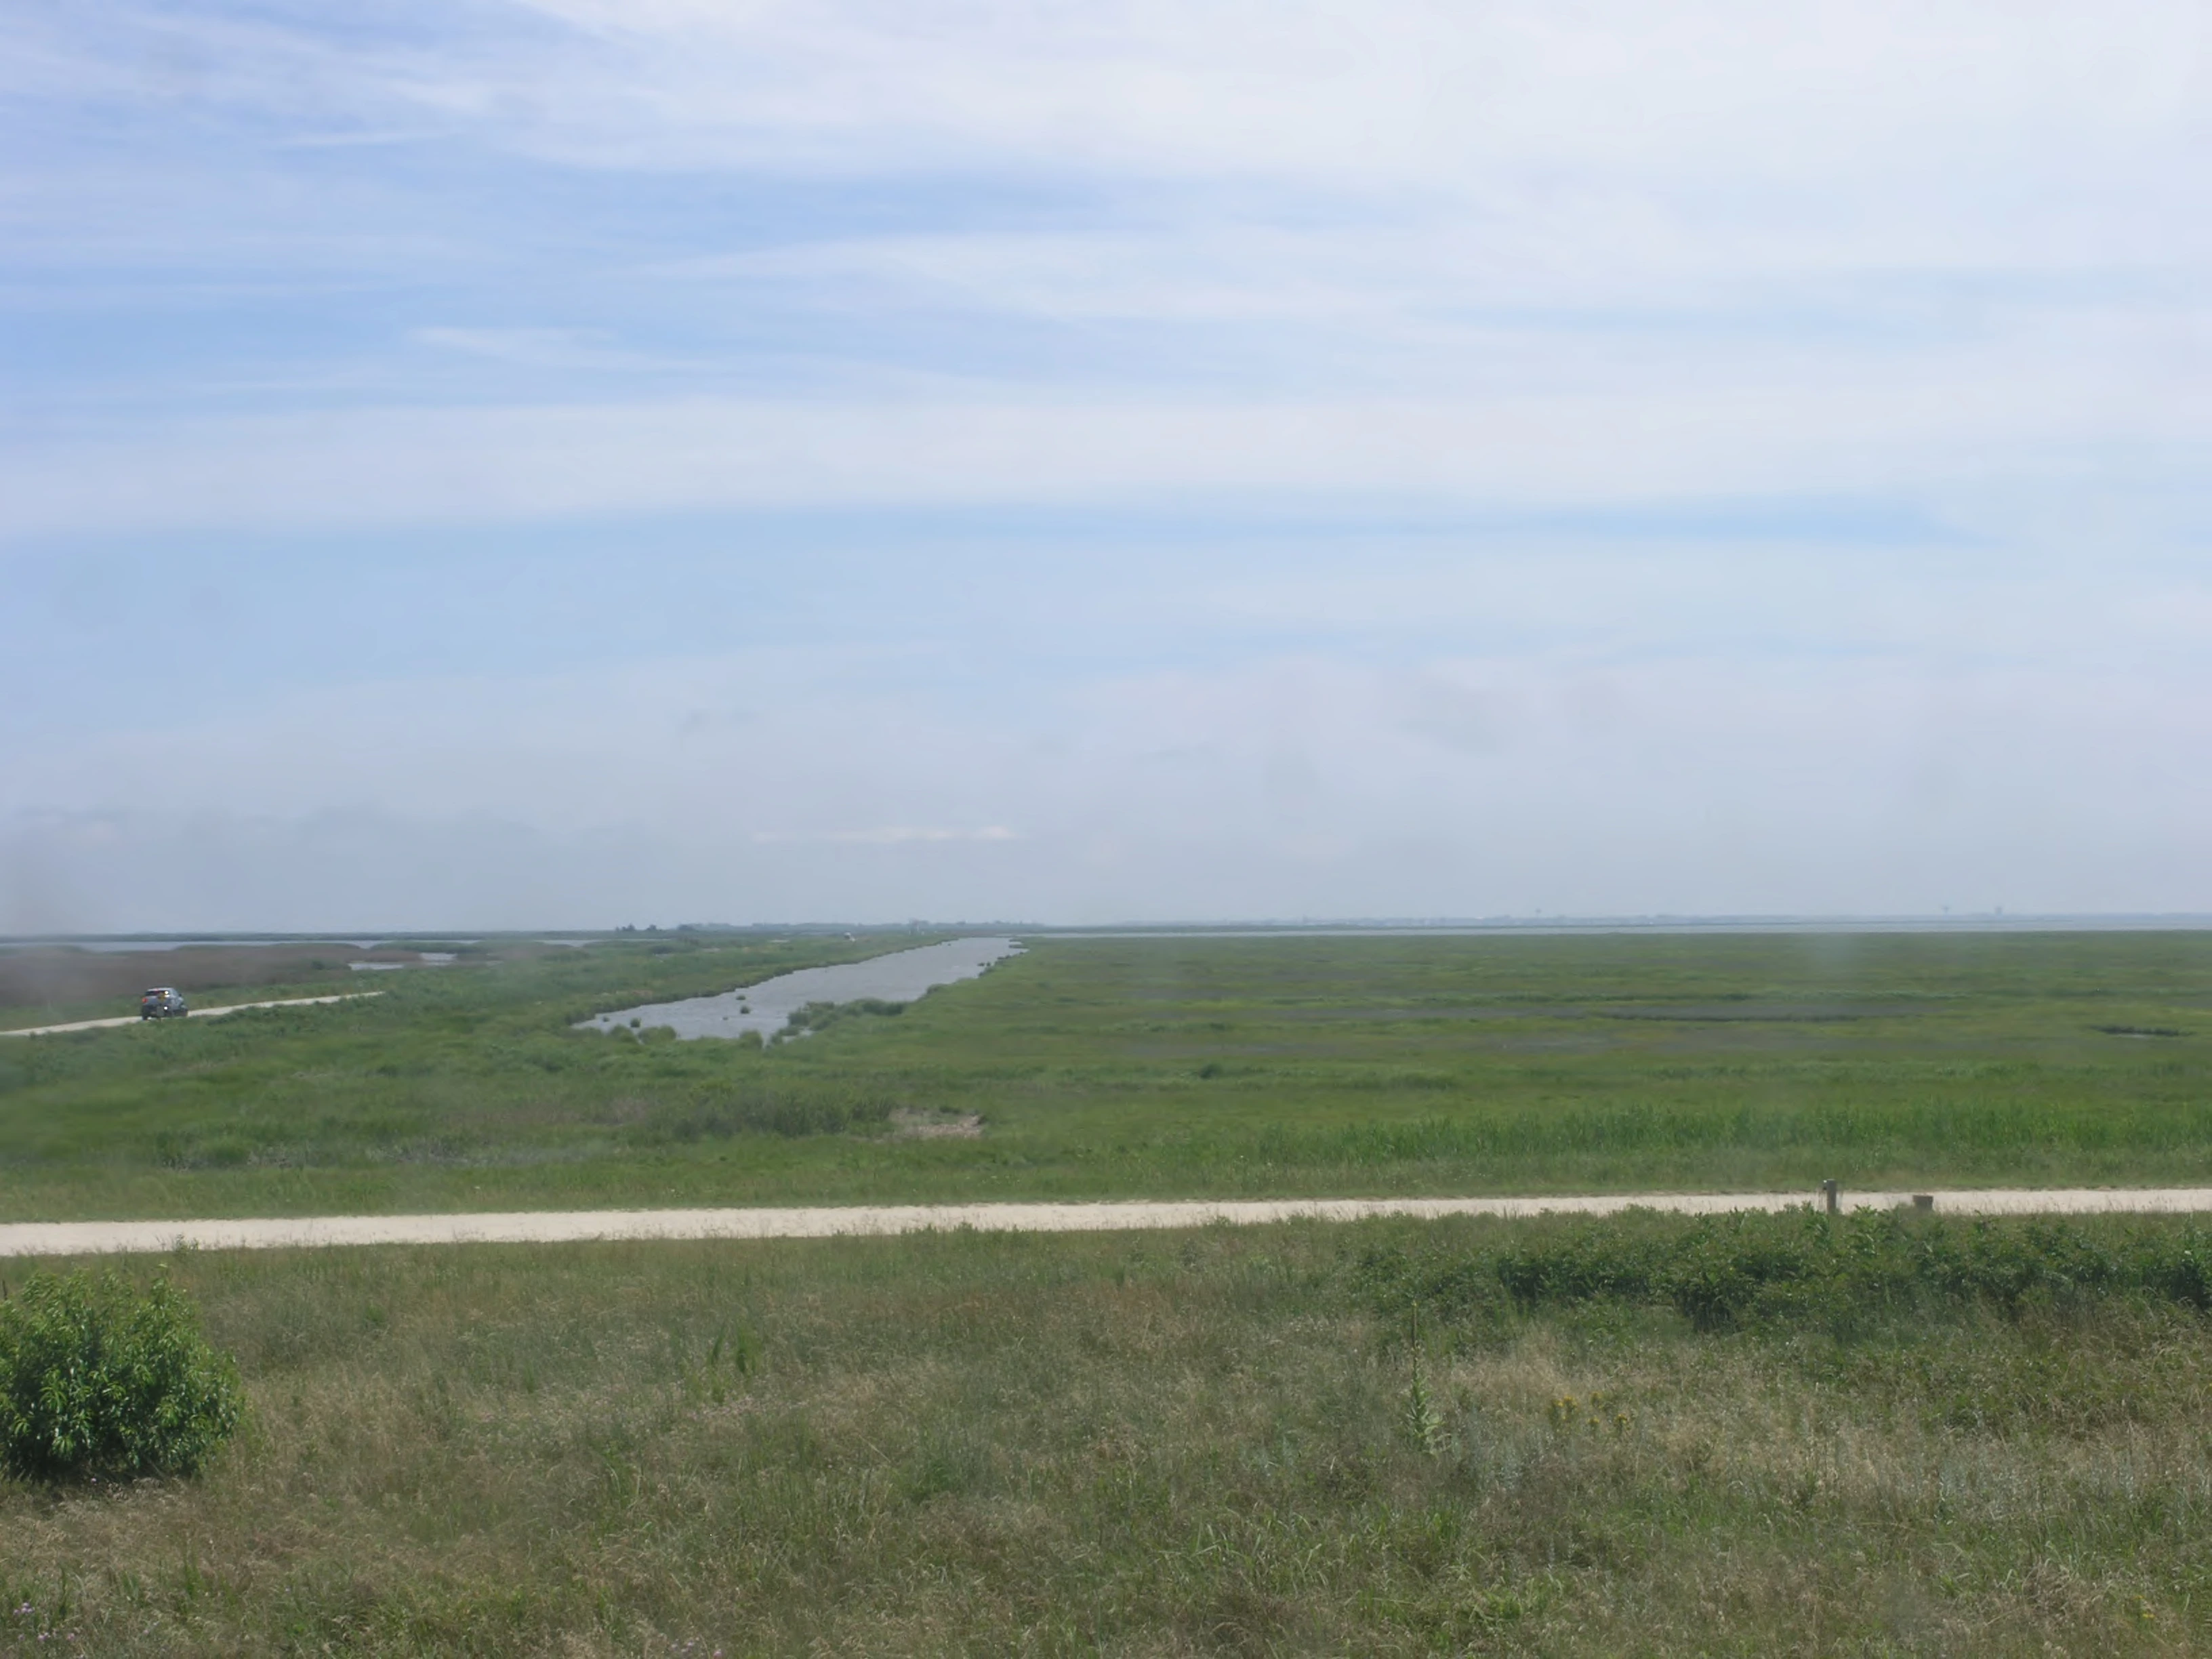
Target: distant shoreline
1978	922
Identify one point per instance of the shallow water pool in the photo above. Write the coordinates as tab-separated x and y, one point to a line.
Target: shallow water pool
901	976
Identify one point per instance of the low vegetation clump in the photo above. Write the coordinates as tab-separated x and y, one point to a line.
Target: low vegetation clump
1799	1269
820	1015
769	1108
100	1380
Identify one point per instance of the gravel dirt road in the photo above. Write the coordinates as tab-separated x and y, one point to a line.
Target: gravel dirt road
197	1013
28	1238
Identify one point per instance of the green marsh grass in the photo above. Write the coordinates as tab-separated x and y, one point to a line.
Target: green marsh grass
1287	1440
1159	1067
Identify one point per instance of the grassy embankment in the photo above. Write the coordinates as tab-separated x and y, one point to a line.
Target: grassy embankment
1159	1067
1555	1438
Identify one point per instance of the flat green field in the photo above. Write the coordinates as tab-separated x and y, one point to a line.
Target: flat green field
1155	1067
1879	1434
1781	1436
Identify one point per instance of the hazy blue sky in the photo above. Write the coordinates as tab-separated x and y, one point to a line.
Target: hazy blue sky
478	465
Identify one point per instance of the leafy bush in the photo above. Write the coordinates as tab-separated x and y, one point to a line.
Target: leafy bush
98	1378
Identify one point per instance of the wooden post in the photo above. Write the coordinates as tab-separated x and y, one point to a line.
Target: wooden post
1830	1198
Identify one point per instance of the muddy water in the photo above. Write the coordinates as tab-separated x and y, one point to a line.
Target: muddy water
902	977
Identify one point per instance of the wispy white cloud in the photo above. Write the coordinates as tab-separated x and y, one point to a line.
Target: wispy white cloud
889	834
387	282
1716	136
1403	91
1939	424
543	347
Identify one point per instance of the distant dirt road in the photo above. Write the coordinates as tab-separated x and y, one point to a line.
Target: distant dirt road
197	1013
25	1238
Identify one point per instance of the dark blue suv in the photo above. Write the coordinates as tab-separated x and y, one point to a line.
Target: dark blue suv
162	1002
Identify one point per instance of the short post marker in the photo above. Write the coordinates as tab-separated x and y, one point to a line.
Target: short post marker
1831	1197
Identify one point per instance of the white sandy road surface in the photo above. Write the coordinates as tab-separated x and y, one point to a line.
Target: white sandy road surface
197	1013
25	1238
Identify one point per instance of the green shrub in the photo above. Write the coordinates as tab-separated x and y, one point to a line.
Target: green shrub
99	1378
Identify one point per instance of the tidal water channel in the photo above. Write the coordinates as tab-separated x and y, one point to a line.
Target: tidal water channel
902	977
